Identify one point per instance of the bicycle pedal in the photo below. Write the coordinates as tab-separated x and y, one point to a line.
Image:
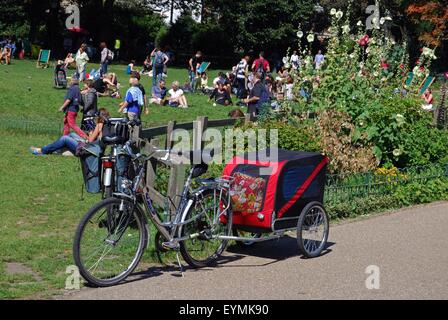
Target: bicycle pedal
171	245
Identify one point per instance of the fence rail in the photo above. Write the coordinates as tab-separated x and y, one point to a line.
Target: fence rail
339	187
346	187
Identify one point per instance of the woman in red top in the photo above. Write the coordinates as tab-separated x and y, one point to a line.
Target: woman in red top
427	96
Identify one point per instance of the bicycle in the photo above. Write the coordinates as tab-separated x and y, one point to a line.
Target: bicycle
115	165
112	237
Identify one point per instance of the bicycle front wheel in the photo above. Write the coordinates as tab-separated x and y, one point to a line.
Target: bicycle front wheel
110	241
203	250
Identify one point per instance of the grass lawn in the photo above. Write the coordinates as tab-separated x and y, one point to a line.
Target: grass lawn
27	92
40	204
41	196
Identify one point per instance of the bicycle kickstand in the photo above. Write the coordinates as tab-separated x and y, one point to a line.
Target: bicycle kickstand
180	264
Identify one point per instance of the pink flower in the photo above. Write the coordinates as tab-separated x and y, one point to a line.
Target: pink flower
446	75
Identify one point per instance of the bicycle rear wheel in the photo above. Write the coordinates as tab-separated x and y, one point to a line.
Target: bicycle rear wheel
204	250
110	241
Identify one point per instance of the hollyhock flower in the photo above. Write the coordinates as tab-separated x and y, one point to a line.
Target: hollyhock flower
310	37
446	75
401	66
359	24
397	152
346	29
300	33
382	21
339	14
333	11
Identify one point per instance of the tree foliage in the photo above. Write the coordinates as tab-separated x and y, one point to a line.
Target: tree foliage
431	18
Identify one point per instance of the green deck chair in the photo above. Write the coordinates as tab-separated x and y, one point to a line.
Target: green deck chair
43	61
409	79
426	84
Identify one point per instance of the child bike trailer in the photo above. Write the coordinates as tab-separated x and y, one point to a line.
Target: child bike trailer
274	196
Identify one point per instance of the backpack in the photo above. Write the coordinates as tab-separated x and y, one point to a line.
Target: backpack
260	68
90	157
158	60
110	55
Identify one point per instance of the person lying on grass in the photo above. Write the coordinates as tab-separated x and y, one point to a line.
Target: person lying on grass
73	142
221	95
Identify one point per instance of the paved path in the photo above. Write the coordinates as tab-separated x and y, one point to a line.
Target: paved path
409	246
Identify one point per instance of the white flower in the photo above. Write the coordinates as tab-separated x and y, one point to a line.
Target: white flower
376	74
310	37
300	33
397	152
368	50
388	18
382	20
285	60
359	24
352	56
339	14
375	21
346	29
333	11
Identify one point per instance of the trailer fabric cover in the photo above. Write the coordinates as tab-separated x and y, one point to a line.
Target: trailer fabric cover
297	178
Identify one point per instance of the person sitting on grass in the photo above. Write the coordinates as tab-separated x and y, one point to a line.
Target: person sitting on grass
221	95
107	86
73	99
159	93
147	66
133	101
177	97
130	67
205	89
429	99
5	56
73	141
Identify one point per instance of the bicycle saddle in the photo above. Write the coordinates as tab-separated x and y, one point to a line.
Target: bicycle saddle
113	140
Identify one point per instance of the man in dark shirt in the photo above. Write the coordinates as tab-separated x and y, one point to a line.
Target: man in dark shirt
256	95
193	65
71	104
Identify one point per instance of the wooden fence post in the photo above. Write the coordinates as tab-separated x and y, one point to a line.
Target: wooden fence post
169	135
248	118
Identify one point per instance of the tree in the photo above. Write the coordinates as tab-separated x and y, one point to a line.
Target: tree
261	24
431	20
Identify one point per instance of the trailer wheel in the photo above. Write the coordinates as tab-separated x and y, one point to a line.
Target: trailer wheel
312	230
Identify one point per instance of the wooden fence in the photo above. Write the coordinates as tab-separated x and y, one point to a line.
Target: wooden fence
148	139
